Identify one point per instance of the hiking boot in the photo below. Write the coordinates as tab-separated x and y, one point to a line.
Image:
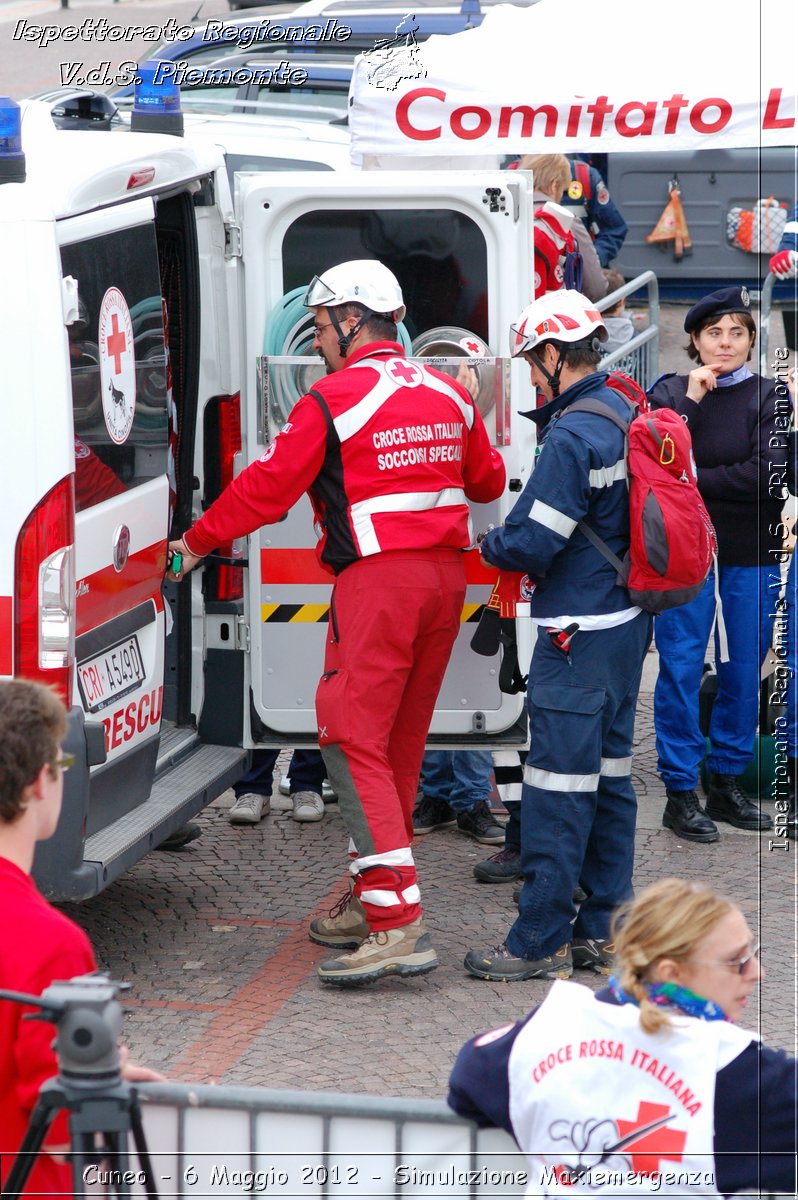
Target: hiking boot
404	951
685	816
308	806
594	954
726	801
504	867
481	825
345	927
501	964
249	808
431	814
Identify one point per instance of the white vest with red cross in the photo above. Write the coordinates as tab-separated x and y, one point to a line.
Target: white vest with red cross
405	449
602	1108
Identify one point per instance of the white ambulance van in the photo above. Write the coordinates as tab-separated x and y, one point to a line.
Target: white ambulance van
149	324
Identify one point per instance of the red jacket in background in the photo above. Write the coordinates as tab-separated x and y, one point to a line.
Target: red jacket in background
553	241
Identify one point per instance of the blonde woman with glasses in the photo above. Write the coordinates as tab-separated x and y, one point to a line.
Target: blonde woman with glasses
648	1086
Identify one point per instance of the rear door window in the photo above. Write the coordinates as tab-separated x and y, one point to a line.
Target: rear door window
119	364
439	256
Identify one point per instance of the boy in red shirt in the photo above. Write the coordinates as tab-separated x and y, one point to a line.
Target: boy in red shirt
38	944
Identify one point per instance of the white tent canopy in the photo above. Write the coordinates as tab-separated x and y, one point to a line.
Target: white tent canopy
574	75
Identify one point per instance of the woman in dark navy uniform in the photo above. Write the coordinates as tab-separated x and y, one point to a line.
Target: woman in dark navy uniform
739	438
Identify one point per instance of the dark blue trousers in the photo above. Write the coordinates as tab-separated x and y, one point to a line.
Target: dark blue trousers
748	596
306	771
578	807
785	692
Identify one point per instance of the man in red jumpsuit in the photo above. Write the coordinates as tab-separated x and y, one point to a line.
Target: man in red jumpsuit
389	452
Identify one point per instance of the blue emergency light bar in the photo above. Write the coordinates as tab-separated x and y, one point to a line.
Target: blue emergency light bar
156	99
12	160
470	8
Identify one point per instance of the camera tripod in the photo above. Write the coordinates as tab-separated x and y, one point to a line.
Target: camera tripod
103	1108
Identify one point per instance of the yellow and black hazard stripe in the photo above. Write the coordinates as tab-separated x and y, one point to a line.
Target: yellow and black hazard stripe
297	614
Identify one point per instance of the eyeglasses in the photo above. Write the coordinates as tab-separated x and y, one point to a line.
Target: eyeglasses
317	329
737	965
64	763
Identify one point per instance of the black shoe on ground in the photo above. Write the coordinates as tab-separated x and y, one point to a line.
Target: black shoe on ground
593	954
481	825
500	964
504	867
685	816
432	814
181	837
728	802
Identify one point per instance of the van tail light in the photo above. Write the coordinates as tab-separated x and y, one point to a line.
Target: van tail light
44	597
230	580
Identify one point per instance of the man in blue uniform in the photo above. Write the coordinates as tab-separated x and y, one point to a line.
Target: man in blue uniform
786	821
589	195
578	806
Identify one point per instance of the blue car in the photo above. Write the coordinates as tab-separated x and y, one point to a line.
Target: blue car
331	27
272	82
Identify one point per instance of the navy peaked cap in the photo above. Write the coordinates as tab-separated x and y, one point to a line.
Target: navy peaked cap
717	304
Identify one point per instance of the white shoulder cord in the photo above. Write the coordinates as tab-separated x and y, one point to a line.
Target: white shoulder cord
723	640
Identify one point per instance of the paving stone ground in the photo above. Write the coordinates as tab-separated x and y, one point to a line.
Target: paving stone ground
213	941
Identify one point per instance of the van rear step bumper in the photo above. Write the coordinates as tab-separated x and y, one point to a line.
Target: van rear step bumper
178	794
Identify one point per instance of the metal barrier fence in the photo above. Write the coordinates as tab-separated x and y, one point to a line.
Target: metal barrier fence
638	357
206	1141
765	306
224	1141
789	304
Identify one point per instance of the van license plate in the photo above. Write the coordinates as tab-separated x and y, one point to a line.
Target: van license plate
114	673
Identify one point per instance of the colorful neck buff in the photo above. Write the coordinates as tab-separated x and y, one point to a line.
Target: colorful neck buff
743	372
671	995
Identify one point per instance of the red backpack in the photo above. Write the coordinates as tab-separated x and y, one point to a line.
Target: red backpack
630	389
672	537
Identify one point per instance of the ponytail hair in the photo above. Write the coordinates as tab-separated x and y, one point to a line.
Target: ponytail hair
666	920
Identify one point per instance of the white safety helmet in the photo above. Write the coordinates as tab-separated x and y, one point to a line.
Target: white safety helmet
361	281
562	316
